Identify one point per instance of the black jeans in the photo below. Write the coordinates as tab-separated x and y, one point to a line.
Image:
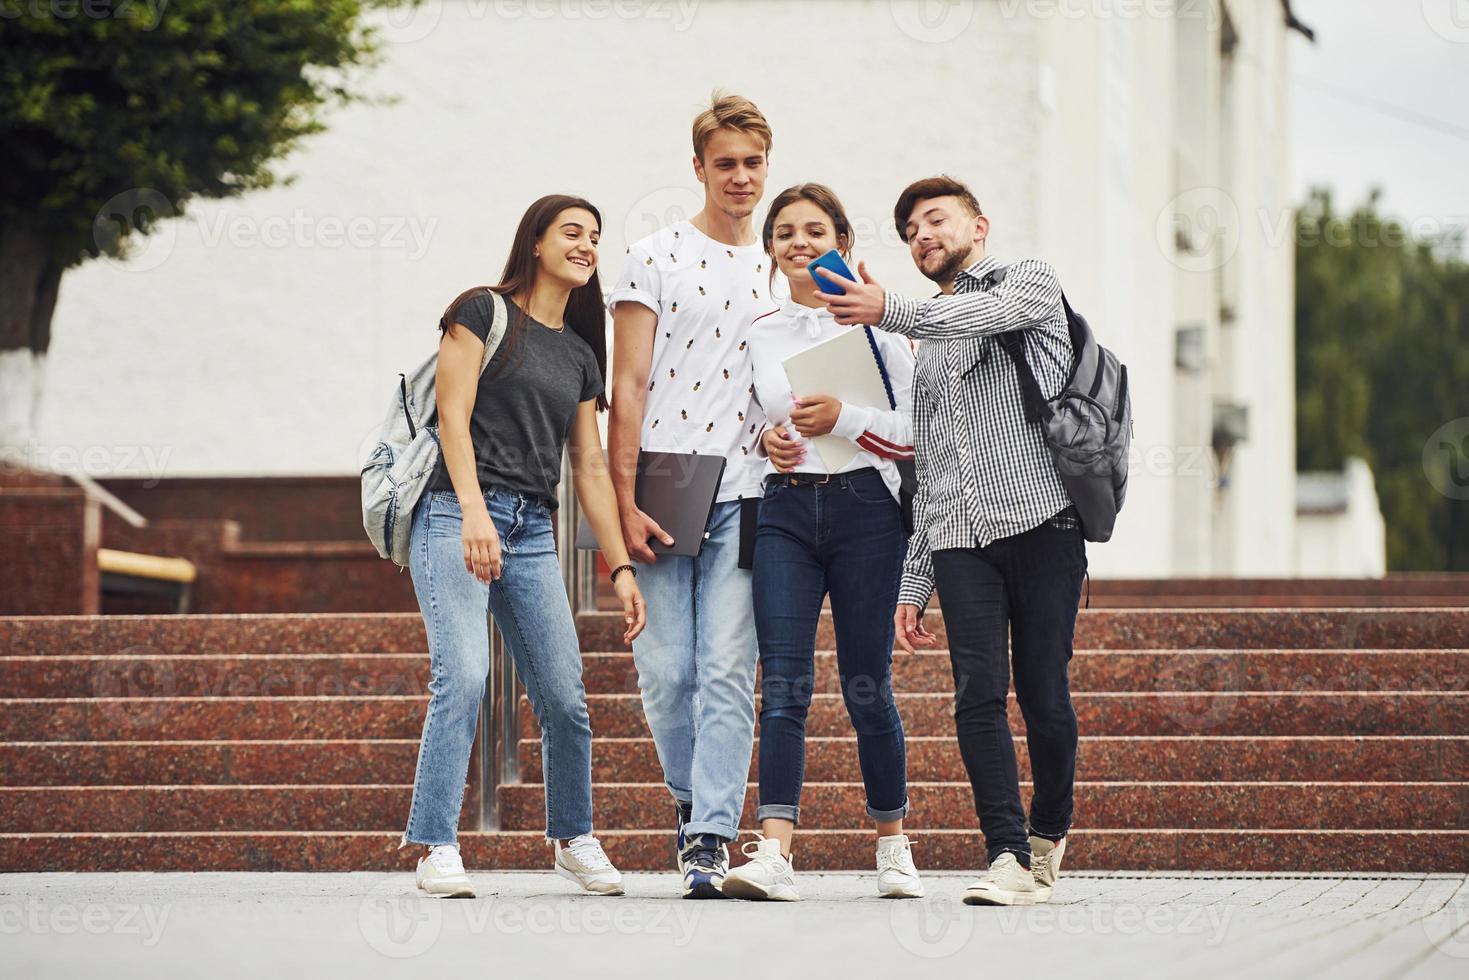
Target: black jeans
1019	592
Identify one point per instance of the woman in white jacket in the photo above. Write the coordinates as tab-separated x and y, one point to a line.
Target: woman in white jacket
822	533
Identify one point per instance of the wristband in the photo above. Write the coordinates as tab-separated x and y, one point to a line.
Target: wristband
620	568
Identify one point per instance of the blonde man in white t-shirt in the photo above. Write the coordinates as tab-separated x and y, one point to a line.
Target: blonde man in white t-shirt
682	382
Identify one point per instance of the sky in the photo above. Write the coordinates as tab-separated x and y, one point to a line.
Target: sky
1382	99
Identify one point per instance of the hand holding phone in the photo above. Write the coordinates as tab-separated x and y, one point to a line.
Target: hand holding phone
832	262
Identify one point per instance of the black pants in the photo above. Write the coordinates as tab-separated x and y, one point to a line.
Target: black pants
1019	592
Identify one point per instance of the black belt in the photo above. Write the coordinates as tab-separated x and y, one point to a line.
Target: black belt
817	479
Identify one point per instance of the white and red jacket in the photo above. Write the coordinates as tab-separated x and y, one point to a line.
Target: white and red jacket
881	435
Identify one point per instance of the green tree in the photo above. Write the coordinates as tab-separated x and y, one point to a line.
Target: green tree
1382	364
114	114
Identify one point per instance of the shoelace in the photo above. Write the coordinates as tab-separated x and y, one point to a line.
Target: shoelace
703	854
751	850
588	850
447	860
897	859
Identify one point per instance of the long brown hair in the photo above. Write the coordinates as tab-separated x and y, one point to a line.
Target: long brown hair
821	196
585	315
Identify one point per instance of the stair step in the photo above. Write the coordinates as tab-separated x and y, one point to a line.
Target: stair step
1392	851
213	635
1172	629
271	633
950	806
129	719
327	674
621	715
1148	670
1331	758
1379	758
209	762
134	809
168	676
1323	713
935	806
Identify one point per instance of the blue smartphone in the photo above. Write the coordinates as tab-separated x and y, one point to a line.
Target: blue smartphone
831	262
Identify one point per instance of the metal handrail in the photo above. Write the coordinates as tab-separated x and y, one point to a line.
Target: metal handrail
499	728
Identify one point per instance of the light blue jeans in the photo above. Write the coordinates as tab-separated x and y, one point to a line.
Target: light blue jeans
696	670
532	613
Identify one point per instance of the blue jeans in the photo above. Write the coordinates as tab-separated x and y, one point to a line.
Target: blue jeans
844	538
533	615
1014	603
696	671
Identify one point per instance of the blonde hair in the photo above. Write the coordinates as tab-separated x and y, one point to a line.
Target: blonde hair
729	112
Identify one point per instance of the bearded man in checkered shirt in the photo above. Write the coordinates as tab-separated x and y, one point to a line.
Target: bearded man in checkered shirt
994	531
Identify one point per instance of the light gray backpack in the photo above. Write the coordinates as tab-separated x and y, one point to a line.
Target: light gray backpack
407	451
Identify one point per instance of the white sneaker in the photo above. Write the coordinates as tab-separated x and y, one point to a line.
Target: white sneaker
1045	865
768	875
584	862
441	873
896	875
1005	883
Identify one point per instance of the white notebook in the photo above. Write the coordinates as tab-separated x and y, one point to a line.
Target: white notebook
844	367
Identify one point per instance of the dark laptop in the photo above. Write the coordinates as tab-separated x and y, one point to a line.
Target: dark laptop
677	490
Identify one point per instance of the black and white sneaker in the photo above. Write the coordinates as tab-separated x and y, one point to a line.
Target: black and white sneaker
705	862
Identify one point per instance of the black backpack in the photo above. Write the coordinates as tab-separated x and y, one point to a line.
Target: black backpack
1088	425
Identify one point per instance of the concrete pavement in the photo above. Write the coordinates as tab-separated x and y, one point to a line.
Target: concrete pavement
524	924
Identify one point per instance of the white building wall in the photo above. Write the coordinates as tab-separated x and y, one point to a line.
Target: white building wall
1258	366
250	339
1349	541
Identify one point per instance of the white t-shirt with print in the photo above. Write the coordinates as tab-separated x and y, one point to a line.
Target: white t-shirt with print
700	396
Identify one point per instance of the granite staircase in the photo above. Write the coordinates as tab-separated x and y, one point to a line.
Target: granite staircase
1262	738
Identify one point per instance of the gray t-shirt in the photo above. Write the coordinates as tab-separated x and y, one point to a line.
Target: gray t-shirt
527	399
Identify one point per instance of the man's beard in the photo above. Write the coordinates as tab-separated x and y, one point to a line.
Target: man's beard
954	261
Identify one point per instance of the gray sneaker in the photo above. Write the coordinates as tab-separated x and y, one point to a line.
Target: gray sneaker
1045	865
1006	882
584	862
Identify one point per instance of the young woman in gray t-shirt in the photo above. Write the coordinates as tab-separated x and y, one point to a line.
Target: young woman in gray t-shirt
482	535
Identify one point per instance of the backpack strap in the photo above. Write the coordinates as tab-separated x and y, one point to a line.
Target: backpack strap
1013	344
1036	409
498	323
